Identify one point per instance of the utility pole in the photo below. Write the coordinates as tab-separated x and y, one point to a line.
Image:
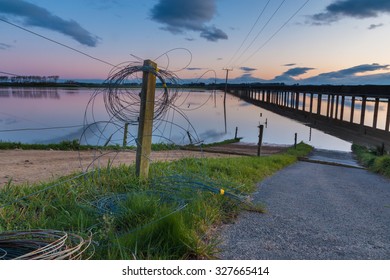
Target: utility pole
227	77
224	97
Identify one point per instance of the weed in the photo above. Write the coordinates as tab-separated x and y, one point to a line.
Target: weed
168	217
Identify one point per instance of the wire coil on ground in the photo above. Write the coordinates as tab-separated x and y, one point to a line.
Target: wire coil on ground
43	245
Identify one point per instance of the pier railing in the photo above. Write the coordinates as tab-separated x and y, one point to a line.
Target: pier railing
359	114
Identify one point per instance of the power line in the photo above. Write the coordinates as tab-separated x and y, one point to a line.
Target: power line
56	42
42	128
277	31
7	73
250	31
261	30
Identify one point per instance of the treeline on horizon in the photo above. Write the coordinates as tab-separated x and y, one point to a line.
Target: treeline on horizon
53	81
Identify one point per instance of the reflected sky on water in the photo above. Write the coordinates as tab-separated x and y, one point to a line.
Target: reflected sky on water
32	115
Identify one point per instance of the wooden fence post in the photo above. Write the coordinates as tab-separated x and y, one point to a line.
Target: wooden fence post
144	143
295	140
261	128
126	129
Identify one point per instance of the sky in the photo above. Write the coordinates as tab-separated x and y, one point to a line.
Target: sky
289	41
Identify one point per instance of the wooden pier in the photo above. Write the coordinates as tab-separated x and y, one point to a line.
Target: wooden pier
341	111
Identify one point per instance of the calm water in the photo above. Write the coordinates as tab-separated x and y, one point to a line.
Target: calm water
38	115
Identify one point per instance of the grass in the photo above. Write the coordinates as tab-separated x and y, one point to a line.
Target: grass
171	216
373	159
74	145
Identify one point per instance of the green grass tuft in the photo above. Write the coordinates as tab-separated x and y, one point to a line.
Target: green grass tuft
171	216
372	160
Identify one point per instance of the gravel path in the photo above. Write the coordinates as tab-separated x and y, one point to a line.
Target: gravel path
315	211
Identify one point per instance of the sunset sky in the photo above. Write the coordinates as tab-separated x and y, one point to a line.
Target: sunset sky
291	41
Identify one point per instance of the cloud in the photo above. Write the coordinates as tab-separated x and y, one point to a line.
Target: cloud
247	78
349	76
194	68
247	69
356	75
374	26
34	15
179	16
213	34
352	8
297	71
354	70
289	64
4	46
289	75
104	4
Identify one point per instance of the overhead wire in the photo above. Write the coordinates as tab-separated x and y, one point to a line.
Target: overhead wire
277	31
247	35
40	128
10	74
56	42
260	31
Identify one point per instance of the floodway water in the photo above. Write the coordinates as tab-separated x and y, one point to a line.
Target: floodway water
314	211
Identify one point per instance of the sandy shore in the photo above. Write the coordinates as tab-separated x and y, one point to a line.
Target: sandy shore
33	166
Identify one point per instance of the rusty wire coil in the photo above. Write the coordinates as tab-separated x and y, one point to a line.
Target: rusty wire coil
44	245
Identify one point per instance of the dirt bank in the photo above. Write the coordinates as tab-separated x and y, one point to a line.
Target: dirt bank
33	166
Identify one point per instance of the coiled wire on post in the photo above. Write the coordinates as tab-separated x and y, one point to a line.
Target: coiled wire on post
123	103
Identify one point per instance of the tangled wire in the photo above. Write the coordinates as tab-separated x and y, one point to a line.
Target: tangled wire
123	103
42	245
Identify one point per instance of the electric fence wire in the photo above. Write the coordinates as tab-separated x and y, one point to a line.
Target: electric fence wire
166	67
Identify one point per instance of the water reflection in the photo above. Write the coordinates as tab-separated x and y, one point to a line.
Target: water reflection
357	104
27	92
200	114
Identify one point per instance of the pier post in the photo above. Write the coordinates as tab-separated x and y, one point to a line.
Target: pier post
387	126
285	99
311	103
352	109
319	101
328	107
376	109
331	106
363	113
342	107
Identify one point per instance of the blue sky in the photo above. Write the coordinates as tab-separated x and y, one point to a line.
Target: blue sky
291	41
